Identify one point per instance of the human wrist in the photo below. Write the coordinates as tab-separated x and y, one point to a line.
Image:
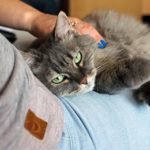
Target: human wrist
41	24
29	20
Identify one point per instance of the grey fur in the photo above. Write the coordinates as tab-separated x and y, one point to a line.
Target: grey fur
124	63
55	55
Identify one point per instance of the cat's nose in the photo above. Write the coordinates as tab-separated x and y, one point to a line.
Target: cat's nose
84	80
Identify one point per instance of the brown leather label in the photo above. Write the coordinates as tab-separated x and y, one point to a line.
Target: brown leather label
35	125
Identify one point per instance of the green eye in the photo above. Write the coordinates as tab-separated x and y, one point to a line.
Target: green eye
58	79
78	58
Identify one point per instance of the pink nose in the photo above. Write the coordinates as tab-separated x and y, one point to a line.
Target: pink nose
83	80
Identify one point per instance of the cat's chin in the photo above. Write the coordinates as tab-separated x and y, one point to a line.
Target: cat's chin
87	88
84	88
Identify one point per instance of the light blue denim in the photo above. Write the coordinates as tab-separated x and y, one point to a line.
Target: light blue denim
105	122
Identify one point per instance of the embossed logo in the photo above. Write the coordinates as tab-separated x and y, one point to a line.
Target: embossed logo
35	125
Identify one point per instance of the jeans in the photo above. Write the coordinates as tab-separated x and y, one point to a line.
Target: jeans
92	121
105	122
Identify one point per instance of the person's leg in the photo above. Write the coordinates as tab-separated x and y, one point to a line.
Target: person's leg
30	116
92	121
105	122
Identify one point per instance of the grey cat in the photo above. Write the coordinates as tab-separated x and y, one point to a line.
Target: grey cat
69	63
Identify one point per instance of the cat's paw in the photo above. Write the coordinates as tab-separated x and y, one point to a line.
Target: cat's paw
143	93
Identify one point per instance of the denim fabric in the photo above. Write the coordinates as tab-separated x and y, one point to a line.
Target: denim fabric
105	122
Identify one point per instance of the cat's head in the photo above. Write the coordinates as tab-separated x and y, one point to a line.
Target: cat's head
65	61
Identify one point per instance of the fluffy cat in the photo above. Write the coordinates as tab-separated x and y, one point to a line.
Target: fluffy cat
69	63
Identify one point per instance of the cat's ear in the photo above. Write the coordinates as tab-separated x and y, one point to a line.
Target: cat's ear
62	26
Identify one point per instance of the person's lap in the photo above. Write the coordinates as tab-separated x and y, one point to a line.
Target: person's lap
104	122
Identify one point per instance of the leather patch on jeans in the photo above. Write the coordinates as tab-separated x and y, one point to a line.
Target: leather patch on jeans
35	125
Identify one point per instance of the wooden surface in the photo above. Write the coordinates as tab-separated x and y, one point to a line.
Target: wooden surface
146	7
80	8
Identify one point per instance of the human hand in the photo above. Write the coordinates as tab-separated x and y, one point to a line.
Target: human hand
43	24
85	28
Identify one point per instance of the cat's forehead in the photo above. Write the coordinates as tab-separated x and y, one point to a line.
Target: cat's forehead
61	54
60	58
64	50
76	43
71	45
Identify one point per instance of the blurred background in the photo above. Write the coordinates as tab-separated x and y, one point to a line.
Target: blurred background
79	8
140	9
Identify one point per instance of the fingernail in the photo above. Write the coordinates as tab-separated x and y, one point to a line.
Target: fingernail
100	45
104	43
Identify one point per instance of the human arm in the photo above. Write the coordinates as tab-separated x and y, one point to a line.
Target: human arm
16	14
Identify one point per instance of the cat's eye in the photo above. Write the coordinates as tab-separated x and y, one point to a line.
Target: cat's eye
58	79
78	58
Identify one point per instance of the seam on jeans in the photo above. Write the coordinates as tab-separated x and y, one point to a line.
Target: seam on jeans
91	136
